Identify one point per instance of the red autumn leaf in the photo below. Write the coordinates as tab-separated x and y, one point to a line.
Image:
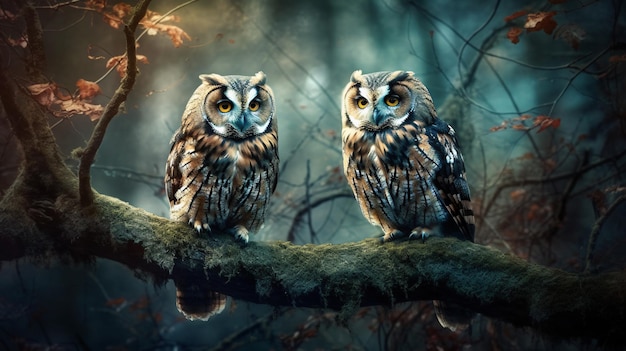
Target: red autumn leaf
617	58
515	15
177	35
116	302
517	194
112	20
122	63
44	94
61	105
141	303
513	34
97	5
545	122
87	90
533	212
122	9
69	108
541	21
21	41
154	22
527	156
498	127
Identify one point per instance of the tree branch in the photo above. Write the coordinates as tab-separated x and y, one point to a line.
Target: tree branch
341	277
112	108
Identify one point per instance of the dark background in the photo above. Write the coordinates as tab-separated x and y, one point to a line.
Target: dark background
478	79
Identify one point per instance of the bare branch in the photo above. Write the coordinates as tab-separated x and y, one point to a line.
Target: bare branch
595	231
112	108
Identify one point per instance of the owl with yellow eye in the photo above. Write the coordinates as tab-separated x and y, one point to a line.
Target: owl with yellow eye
223	164
404	165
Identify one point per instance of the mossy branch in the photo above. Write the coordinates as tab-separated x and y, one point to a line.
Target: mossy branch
341	277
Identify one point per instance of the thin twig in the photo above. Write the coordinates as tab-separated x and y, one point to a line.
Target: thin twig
595	231
555	178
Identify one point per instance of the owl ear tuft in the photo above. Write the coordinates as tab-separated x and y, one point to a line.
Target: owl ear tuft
258	79
357	76
213	79
401	75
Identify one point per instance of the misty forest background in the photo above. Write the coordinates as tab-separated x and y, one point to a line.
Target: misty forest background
535	91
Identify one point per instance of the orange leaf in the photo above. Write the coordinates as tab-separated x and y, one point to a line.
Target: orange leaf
44	94
70	108
513	34
517	194
177	35
533	212
97	5
519	127
122	9
515	15
87	90
497	128
115	302
540	21
122	63
527	156
545	122
22	41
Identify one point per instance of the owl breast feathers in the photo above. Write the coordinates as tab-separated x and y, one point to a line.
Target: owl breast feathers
223	164
402	162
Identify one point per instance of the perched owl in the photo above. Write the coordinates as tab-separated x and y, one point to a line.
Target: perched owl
403	163
223	164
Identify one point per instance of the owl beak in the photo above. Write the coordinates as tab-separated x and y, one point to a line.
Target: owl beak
379	117
242	124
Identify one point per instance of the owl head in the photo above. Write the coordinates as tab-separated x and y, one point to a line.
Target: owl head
236	107
382	100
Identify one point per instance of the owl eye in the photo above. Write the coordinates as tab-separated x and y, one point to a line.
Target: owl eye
254	105
224	106
361	102
392	100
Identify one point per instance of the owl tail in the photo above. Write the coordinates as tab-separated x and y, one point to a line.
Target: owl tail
452	316
196	303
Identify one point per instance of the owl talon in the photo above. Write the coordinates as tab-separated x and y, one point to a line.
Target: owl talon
420	233
391	235
241	234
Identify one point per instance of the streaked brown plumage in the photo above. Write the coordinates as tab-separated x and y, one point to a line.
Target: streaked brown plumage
223	164
403	163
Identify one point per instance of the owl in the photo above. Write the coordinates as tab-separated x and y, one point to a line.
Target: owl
402	162
223	163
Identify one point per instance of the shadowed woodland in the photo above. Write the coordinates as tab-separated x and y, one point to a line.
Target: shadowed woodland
92	91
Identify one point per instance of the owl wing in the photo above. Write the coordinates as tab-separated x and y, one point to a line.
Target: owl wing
450	177
172	172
